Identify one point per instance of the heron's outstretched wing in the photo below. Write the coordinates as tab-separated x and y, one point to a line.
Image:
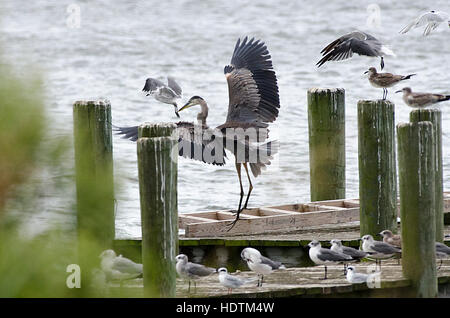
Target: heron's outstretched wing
174	85
194	142
252	84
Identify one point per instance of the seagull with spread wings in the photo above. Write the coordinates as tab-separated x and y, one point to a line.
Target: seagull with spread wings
354	42
165	93
432	19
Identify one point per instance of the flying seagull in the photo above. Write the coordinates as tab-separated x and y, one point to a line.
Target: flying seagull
378	250
431	19
355	42
166	93
421	100
384	80
191	271
259	264
324	256
119	267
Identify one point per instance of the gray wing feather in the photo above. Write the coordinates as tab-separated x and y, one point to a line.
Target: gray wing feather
442	248
329	255
151	85
174	85
124	265
354	253
268	261
384	248
198	269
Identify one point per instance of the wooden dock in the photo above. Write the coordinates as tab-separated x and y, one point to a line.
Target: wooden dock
300	282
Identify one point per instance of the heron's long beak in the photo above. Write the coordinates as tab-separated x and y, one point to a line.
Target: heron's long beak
398	91
187	105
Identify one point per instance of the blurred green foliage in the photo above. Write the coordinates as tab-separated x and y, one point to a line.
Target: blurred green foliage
34	265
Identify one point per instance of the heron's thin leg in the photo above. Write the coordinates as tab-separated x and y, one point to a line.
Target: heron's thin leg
250	187
238	170
176	110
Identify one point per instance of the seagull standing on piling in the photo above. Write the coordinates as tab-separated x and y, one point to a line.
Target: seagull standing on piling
421	100
378	250
166	93
191	271
259	264
385	80
431	18
324	256
118	267
354	42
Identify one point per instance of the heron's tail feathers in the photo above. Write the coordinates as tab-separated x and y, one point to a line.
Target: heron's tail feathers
265	153
130	133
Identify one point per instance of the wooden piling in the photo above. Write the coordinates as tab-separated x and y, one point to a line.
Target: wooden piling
326	123
417	205
377	167
159	214
435	117
94	182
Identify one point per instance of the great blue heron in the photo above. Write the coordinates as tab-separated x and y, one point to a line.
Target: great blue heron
384	80
432	19
253	104
421	100
166	93
354	42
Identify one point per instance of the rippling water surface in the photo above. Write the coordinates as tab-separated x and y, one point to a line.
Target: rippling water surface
119	44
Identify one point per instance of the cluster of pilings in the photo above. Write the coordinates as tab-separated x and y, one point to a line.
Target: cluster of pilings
419	171
420	175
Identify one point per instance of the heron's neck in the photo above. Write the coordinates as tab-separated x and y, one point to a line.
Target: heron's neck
201	117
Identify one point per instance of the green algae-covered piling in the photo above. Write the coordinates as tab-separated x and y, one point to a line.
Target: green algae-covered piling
94	170
94	182
377	170
326	122
416	164
159	214
435	117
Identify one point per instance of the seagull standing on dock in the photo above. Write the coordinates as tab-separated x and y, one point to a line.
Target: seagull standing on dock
229	281
166	93
442	252
432	19
354	42
421	100
378	250
385	80
356	255
259	264
118	267
391	238
354	277
324	256
191	271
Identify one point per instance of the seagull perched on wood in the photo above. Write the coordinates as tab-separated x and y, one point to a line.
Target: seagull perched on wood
118	267
357	278
166	93
378	250
356	255
432	19
384	80
229	281
442	252
354	42
324	256
260	264
391	238
421	100
191	271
